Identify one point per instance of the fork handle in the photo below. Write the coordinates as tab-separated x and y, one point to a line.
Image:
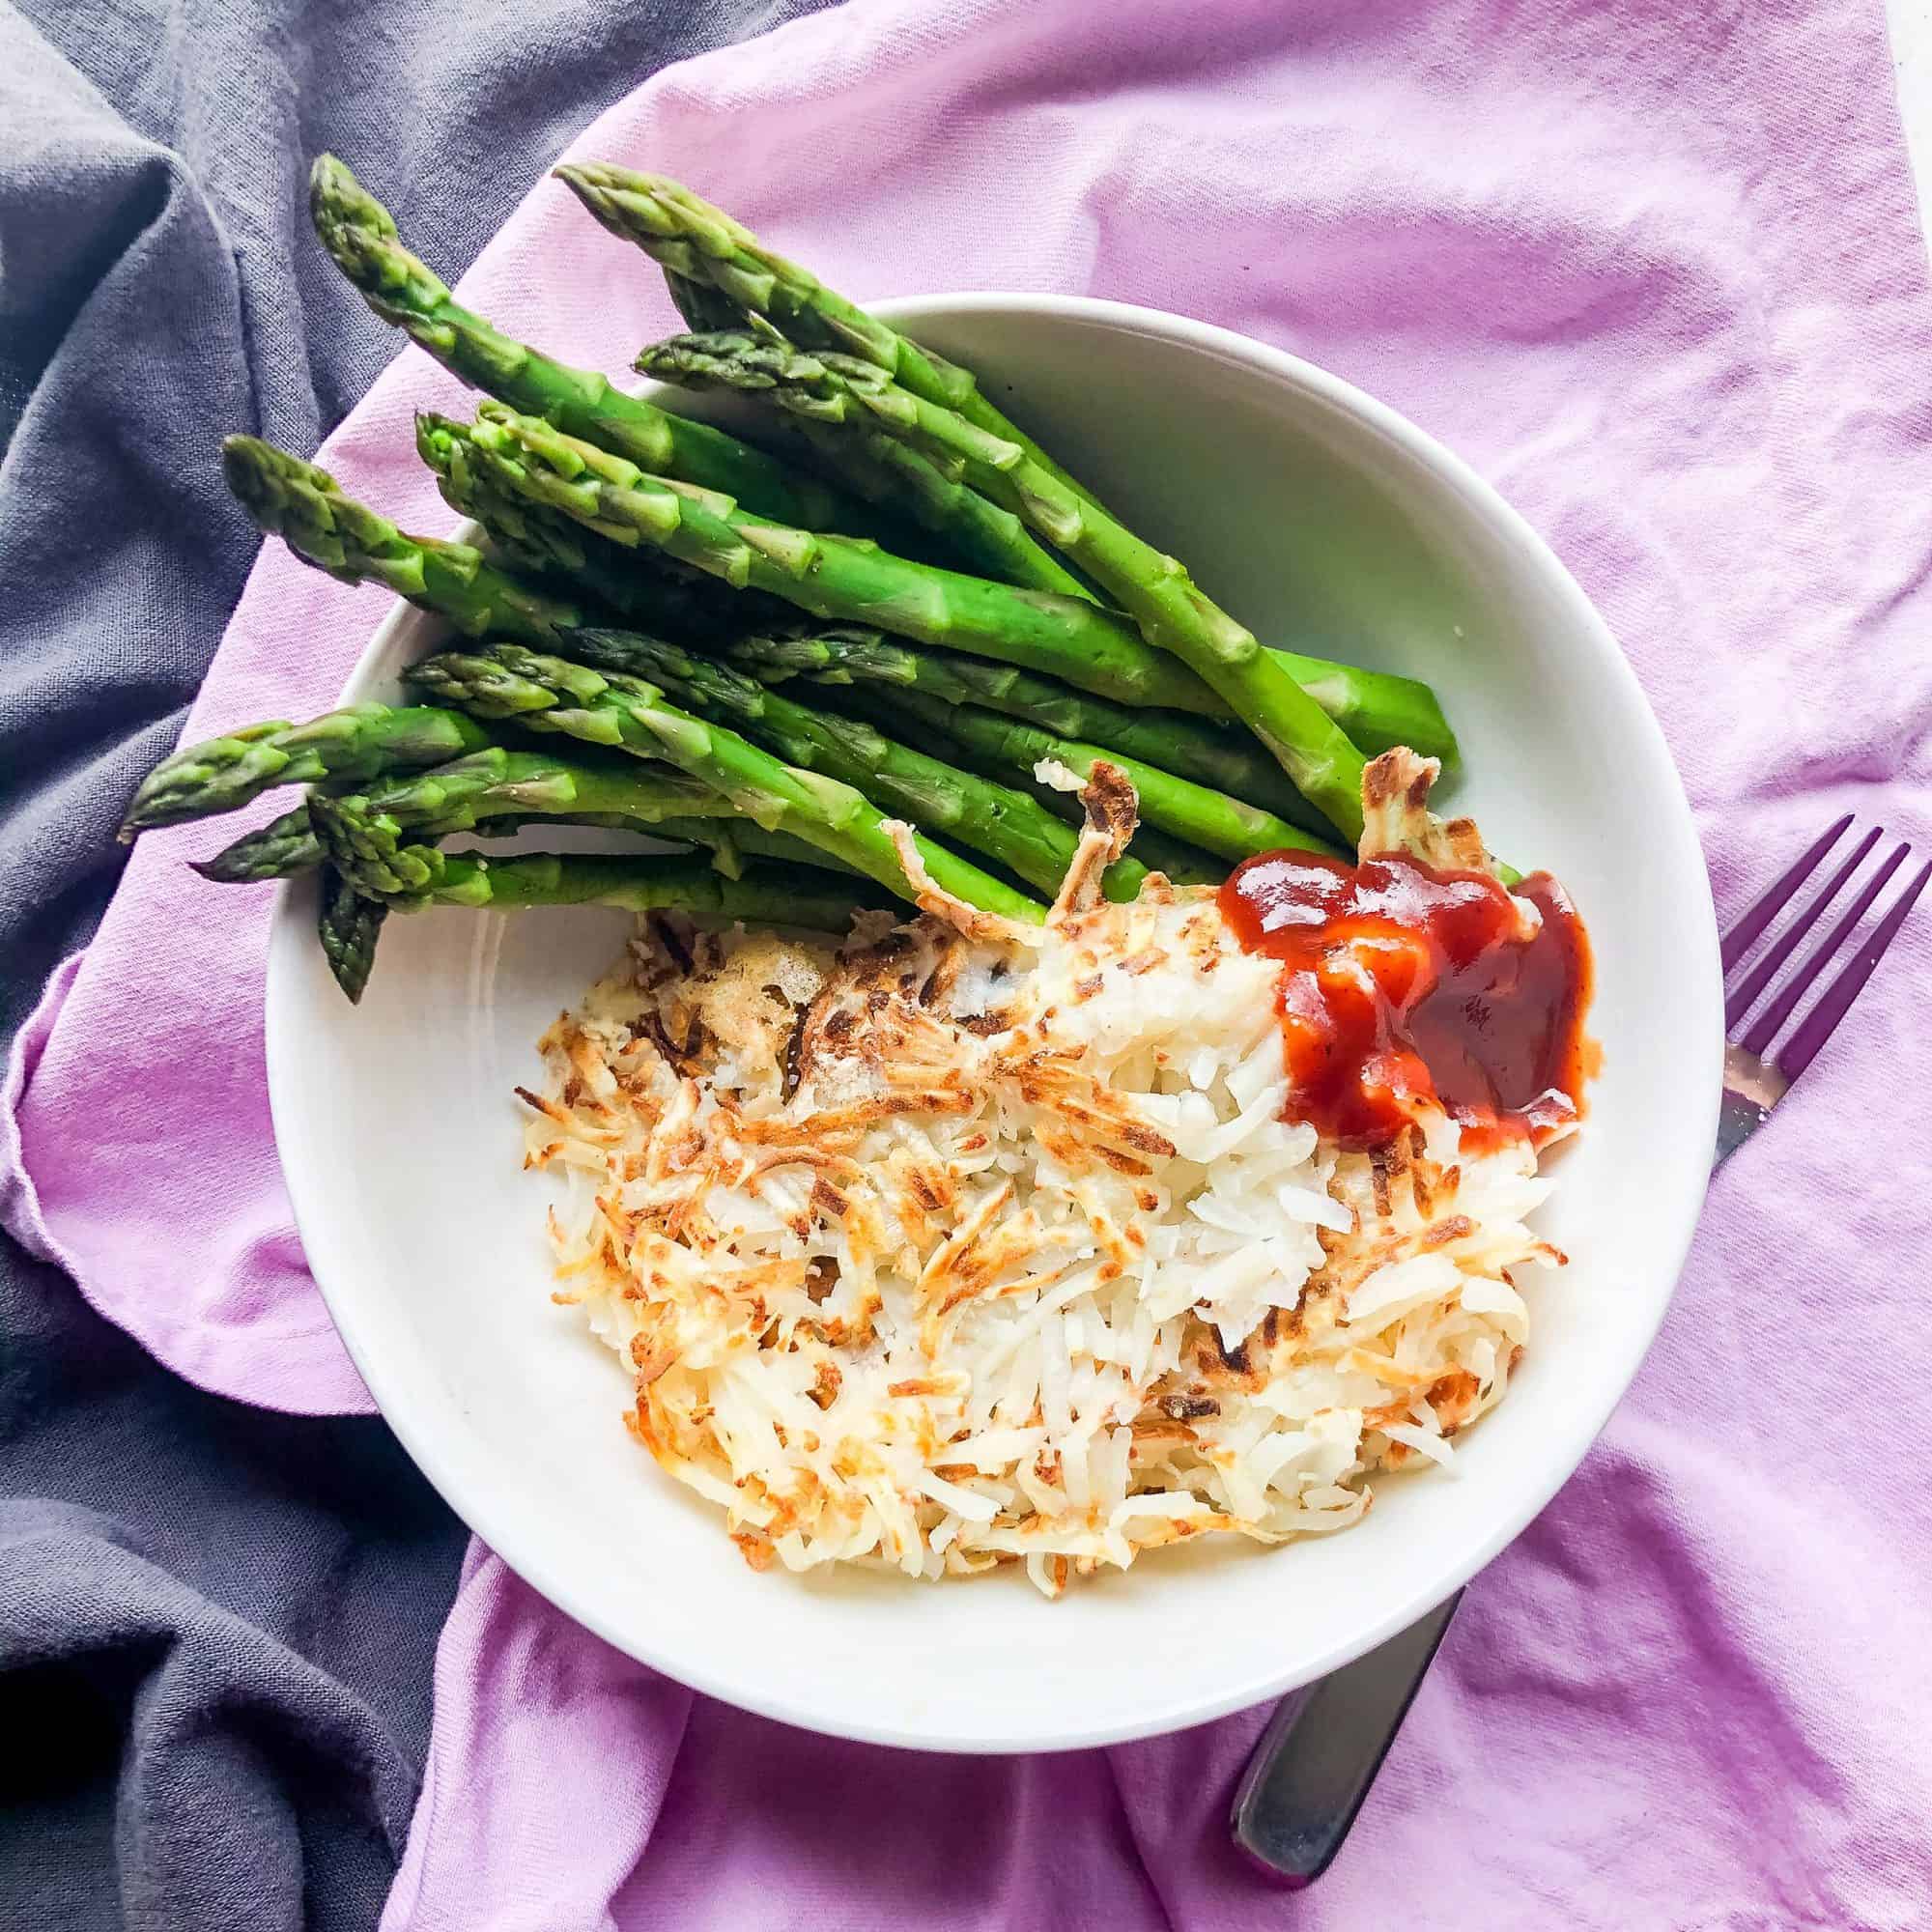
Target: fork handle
1322	1750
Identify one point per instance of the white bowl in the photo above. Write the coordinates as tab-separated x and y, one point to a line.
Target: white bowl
1312	512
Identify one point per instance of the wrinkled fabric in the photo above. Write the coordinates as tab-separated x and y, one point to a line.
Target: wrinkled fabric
249	1774
216	1623
1656	270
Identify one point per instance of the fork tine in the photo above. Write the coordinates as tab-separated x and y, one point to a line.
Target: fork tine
1821	956
1818	1026
1765	971
1776	897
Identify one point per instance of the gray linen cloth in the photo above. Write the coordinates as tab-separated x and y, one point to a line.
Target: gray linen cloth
217	1625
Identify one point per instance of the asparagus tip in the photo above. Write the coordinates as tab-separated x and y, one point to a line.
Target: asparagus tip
259	475
348	924
334	194
361	234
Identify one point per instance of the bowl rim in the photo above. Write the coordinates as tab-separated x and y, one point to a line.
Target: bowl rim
1701	984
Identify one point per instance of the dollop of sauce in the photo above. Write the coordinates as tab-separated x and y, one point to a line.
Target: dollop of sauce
1402	984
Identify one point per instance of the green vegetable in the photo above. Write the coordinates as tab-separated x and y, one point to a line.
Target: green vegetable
734	840
358	743
302	505
539	784
762	894
348	926
835	397
833	577
1173	613
279	851
1179	807
547	693
1210	755
982	536
359	233
643	586
698	244
1008	826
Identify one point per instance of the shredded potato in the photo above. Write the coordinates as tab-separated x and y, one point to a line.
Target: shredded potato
965	1244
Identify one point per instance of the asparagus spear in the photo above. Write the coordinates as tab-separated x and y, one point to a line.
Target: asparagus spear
1375	710
831	577
1207	754
1176	616
734	840
701	305
539	784
548	694
358	743
764	894
359	233
302	505
348	924
290	845
278	850
994	743
699	243
646	587
497	785
1172	612
531	785
485	789
983	537
1011	827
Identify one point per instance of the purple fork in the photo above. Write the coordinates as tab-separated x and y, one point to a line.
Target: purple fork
1321	1749
1753	1082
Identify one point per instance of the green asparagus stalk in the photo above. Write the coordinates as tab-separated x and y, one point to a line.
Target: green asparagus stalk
1008	826
302	505
1376	709
348	924
1372	708
733	841
278	850
290	847
983	537
830	577
498	781
547	693
1172	612
995	743
644	586
358	232
477	793
763	894
1190	747
1175	615
702	307
360	742
699	243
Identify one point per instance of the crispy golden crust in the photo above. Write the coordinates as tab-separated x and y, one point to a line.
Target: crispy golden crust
783	1136
1395	816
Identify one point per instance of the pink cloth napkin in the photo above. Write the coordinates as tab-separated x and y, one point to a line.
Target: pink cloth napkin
1657	271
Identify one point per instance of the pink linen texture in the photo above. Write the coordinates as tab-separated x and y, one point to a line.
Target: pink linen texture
1657	271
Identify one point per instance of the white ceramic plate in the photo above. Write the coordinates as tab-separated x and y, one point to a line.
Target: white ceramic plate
1312	512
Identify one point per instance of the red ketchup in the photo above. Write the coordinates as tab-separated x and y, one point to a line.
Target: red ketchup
1402	984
